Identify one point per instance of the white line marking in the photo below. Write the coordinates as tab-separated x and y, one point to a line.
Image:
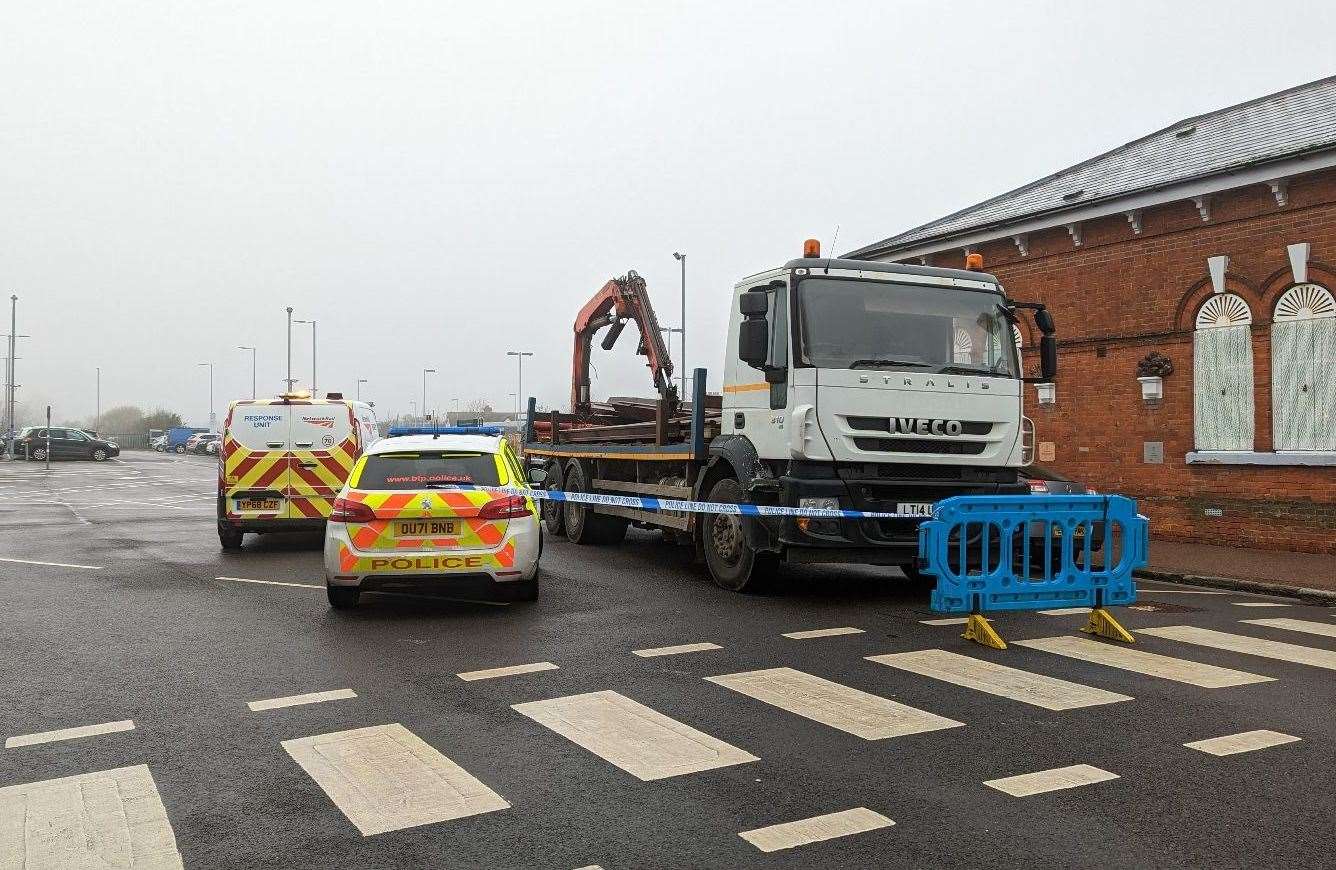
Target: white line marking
1041	691
641	741
271	582
848	709
52	564
297	700
1304	625
951	620
822	632
1056	779
674	650
1232	744
509	671
1272	649
1260	604
1137	661
816	829
69	733
112	818
1064	611
385	778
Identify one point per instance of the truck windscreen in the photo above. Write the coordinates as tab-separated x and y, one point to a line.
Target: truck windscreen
847	323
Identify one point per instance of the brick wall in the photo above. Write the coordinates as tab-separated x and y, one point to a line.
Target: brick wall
1120	296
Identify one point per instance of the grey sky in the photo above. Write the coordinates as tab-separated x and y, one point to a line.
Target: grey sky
436	183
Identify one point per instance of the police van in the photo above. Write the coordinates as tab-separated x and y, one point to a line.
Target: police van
284	460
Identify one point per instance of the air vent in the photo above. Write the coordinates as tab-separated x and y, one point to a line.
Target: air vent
1186	131
915	445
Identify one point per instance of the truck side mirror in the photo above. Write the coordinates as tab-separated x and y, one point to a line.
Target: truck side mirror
754	303
1048	356
538	475
1044	320
753	342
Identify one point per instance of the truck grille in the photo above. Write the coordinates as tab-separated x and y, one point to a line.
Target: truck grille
883	424
918	445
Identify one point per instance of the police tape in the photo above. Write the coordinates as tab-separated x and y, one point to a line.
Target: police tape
691	507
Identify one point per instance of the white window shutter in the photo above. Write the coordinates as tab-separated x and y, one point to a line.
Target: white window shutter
1324	383
1303	369
1223	375
1291	395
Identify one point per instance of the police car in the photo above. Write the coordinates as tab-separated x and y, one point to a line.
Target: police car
413	516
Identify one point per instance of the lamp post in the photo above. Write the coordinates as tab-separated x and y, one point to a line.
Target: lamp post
682	258
97	418
312	322
360	381
519	356
252	350
288	379
212	418
425	372
11	382
413	407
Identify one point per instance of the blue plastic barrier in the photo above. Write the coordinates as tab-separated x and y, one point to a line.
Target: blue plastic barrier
1030	552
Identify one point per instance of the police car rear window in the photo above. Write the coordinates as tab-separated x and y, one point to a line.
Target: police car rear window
428	470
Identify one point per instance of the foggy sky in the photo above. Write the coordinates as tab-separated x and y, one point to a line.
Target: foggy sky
436	183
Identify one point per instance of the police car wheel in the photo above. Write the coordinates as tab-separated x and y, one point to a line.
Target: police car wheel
733	564
342	597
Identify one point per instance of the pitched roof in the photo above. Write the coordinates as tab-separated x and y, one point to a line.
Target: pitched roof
1292	122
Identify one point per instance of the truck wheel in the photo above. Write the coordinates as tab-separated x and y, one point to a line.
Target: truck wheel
583	526
553	511
733	564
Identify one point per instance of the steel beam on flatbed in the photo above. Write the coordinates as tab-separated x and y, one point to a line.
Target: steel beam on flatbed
655	518
648	452
644	488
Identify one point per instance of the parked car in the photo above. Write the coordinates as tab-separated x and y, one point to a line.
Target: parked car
65	443
158	442
213	445
200	443
1047	481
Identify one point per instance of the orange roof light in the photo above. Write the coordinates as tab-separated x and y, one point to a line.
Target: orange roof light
812	248
974	262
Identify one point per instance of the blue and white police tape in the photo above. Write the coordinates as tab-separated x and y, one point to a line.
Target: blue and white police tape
693	507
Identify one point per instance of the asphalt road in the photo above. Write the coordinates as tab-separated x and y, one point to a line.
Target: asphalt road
139	623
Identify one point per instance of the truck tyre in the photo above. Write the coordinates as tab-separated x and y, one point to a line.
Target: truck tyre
229	537
583	526
553	511
342	597
733	564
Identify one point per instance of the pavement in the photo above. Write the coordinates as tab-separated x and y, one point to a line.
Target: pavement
166	705
1181	559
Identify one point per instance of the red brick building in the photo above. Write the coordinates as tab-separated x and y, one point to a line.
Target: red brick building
1210	244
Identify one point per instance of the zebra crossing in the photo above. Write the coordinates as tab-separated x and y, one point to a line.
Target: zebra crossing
382	777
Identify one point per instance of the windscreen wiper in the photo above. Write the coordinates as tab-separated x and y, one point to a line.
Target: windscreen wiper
969	370
878	363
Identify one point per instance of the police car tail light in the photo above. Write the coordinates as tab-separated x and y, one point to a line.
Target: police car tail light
346	511
505	508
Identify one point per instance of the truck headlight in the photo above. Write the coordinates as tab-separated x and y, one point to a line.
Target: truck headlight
819	525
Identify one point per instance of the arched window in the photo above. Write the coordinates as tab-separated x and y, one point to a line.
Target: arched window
1222	374
1303	369
962	347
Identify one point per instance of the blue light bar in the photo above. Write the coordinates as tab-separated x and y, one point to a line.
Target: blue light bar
396	431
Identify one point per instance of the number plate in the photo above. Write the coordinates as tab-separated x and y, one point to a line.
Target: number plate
262	505
915	508
425	528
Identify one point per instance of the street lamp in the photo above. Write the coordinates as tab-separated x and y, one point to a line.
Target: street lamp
212	418
519	356
360	381
682	258
288	379
252	350
425	372
312	322
97	420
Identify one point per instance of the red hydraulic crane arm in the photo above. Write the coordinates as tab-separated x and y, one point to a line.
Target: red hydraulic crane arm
620	300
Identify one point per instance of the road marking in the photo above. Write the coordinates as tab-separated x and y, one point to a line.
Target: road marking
1304	625
790	834
1256	646
69	733
272	582
1137	661
1037	689
1064	611
859	713
1056	779
822	632
641	741
674	650
1260	604
508	671
112	818
1232	744
297	700
52	564
385	778
952	620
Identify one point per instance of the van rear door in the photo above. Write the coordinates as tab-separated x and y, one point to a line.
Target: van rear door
324	448
255	461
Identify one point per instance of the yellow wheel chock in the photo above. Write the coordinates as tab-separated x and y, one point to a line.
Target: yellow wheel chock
981	631
1103	624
